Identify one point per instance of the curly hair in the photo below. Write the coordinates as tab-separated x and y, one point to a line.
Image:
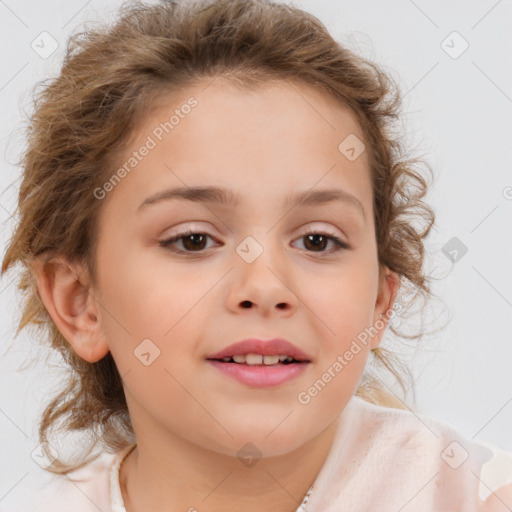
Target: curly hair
110	78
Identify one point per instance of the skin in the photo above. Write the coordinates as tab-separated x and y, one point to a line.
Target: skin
190	420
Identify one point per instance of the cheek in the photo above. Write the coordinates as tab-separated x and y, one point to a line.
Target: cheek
343	302
342	310
160	302
148	292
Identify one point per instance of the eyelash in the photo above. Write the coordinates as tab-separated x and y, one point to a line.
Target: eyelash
338	243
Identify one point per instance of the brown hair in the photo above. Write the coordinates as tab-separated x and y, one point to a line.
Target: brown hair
110	77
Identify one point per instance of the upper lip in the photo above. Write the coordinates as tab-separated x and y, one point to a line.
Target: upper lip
276	346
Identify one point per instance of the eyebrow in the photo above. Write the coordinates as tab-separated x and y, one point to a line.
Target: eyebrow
227	197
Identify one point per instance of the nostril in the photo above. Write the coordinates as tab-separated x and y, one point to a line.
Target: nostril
246	304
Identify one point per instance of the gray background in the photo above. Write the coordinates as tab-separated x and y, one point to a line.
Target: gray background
458	113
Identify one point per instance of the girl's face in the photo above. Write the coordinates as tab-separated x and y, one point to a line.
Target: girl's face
251	271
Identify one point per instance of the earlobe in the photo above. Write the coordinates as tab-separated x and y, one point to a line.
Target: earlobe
66	294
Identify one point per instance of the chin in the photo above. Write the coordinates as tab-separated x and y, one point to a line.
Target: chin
263	442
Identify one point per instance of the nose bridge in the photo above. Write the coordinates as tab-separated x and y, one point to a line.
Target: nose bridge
261	272
259	254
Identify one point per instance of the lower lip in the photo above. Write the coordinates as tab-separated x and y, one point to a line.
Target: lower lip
260	376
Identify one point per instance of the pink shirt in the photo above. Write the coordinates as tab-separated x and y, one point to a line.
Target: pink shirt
381	459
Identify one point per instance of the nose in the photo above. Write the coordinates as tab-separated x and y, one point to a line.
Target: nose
264	285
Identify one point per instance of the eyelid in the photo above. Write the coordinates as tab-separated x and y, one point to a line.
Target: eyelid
311	228
338	241
315	227
183	229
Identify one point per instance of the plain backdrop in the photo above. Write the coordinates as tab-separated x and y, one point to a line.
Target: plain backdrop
452	61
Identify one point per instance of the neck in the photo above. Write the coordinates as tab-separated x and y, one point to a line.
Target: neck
181	476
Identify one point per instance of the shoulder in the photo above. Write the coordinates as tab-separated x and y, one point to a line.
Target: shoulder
463	471
399	453
86	489
496	480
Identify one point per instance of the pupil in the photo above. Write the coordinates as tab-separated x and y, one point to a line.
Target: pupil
193	236
322	245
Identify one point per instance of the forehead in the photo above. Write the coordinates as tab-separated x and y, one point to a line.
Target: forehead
263	139
291	107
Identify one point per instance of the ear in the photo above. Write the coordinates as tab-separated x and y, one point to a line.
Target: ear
389	285
66	293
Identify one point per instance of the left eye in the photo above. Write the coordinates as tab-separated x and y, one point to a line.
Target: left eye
194	241
319	239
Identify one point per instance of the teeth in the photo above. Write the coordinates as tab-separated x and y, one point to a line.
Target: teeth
258	359
253	359
270	359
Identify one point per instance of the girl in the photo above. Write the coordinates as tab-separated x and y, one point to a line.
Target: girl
216	229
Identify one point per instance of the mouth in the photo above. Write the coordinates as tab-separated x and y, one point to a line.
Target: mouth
260	360
255	373
261	364
254	351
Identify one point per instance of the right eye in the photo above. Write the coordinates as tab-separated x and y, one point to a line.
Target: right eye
192	241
